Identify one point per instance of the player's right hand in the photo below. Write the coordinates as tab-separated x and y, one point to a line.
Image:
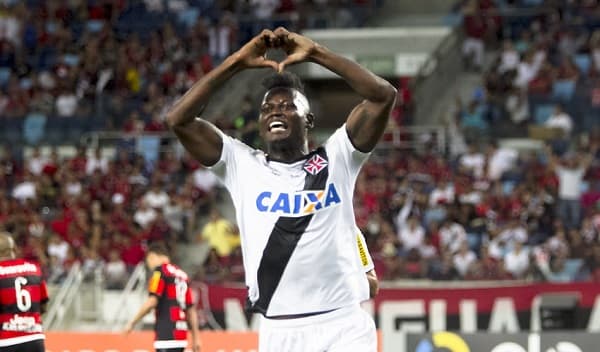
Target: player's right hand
128	328
196	347
253	54
297	47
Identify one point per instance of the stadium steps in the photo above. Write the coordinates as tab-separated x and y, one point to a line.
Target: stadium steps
83	310
445	107
463	87
227	100
191	256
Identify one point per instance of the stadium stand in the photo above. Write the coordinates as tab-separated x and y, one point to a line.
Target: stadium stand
478	210
84	65
71	69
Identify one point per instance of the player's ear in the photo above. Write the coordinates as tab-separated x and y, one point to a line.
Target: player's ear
310	120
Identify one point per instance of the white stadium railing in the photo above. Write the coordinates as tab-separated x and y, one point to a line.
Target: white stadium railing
64	298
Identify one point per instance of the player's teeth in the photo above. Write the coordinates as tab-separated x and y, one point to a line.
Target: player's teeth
277	125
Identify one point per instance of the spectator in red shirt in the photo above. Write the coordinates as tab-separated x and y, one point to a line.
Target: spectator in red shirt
132	252
473	45
156	124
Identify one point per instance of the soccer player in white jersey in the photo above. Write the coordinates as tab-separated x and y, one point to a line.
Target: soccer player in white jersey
293	205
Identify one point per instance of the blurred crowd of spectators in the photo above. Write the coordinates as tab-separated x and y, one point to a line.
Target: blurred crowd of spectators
118	64
481	211
492	213
546	73
100	211
484	211
102	61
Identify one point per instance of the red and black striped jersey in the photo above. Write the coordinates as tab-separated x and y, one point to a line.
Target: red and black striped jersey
22	293
170	285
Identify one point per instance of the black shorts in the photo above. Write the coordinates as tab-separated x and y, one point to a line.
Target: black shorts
170	350
31	346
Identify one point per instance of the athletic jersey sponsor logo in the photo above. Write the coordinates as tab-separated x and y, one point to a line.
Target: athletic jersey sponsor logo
18	269
23	324
362	251
299	203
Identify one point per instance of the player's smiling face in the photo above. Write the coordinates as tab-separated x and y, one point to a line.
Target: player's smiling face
281	119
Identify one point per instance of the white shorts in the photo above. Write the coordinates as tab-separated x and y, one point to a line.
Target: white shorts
348	329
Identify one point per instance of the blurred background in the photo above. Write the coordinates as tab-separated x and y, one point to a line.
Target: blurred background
487	177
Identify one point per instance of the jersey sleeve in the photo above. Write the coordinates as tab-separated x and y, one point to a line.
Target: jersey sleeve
363	253
339	146
226	169
156	285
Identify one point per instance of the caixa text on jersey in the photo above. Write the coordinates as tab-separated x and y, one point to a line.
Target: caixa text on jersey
298	203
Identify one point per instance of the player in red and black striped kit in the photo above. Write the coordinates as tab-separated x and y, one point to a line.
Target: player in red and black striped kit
171	297
23	298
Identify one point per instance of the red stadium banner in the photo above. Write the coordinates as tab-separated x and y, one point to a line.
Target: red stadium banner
455	305
460	307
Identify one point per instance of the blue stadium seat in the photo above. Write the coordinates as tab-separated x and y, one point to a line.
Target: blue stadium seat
532	2
71	60
590	118
572	267
97	123
474	240
55	130
76	126
94	26
583	62
149	146
10	130
33	128
46	58
77	30
5	73
188	17
563	90
508	187
542	113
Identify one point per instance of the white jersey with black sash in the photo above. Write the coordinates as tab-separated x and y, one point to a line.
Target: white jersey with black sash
297	226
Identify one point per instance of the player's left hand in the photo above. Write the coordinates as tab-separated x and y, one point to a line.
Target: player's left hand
297	47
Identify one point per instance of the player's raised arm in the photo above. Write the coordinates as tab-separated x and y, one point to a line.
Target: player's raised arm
368	120
197	135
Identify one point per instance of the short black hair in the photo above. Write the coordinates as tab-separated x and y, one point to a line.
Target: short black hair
157	248
283	80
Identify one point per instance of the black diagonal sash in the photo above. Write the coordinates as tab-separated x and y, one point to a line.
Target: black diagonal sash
283	241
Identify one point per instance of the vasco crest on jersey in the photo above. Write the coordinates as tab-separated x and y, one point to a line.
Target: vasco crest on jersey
315	164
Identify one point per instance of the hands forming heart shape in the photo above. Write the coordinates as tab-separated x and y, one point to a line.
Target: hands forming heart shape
297	48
